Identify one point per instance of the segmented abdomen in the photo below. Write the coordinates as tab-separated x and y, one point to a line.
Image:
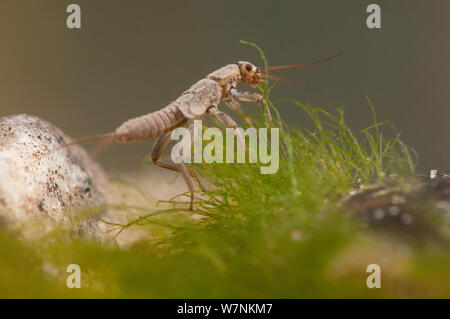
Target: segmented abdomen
151	125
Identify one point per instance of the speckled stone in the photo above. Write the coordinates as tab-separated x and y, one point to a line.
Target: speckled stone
36	181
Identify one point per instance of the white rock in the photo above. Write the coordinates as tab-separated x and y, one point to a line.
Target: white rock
35	182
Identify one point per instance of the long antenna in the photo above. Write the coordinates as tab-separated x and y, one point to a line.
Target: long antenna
280	79
290	66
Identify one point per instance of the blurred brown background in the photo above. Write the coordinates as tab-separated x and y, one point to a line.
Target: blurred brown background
133	57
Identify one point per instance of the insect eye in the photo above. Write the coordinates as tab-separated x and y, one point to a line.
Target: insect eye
248	67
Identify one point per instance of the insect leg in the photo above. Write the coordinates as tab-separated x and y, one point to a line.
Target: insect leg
228	122
159	148
188	179
234	105
161	145
211	125
253	97
193	173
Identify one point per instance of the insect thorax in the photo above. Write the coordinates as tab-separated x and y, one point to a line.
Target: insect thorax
228	77
194	102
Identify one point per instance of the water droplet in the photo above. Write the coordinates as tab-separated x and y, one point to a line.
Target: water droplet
407	219
393	210
296	235
397	200
433	173
378	213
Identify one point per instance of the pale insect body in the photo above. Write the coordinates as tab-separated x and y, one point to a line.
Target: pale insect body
199	100
192	104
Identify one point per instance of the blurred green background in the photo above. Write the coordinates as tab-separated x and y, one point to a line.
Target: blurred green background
134	57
